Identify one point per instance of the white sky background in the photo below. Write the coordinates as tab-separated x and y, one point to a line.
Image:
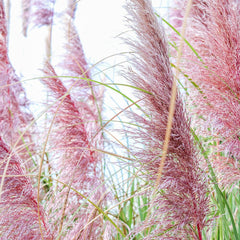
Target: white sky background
99	23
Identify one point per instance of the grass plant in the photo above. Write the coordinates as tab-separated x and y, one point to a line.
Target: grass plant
151	155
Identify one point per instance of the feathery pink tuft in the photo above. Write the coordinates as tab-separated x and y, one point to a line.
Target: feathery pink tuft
183	199
77	162
74	60
18	206
216	39
26	14
14	107
3	39
42	12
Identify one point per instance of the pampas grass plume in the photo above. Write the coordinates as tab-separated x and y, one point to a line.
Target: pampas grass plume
19	210
213	31
183	200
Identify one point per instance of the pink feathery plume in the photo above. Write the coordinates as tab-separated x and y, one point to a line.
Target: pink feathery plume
68	115
181	204
74	61
26	14
88	101
76	162
42	12
3	32
18	206
74	141
14	107
216	40
177	11
88	97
